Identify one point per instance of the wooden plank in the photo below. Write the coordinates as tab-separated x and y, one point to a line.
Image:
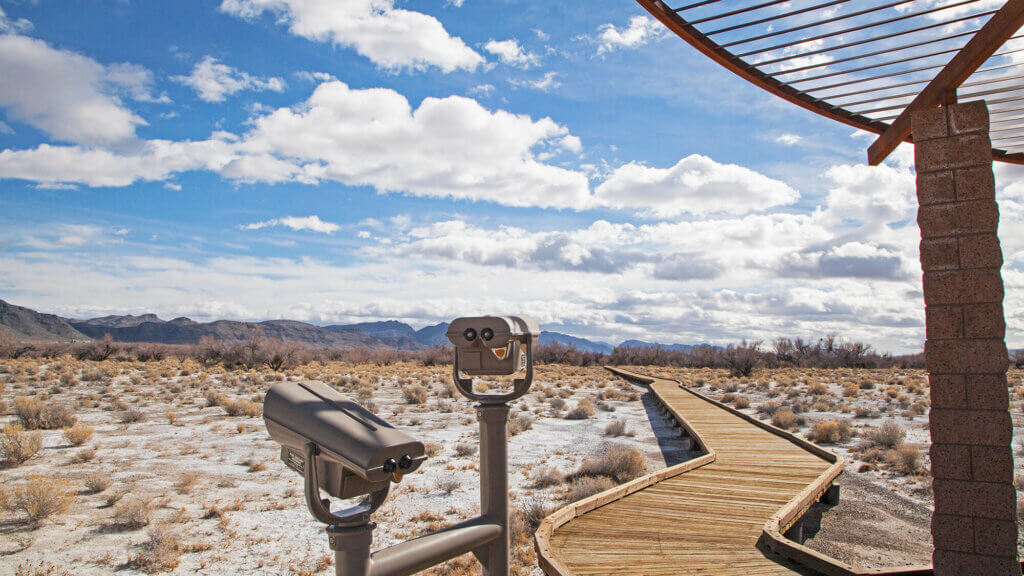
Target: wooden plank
999	28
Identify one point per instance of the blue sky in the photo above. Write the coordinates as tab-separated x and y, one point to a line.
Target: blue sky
342	160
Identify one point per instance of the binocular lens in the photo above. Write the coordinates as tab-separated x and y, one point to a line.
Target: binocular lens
389	465
405	462
487	333
469	334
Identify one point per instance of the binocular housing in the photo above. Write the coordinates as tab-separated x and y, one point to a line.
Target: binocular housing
357	453
492	345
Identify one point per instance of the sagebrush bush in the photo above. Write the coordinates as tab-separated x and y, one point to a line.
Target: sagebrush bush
414	394
617	428
132	513
18	445
35	414
131	416
584	409
241	407
78	434
521	423
888	435
741	402
904	458
97	482
545	476
831	432
40	497
161	552
448	483
619	463
786	419
462	450
587	486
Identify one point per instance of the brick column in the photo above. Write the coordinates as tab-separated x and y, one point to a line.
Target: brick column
974	526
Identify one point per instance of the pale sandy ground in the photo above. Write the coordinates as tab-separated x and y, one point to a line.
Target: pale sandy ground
261	525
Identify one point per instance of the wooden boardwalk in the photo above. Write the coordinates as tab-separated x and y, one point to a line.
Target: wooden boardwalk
720	514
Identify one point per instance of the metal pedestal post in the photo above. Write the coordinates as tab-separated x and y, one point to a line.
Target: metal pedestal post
351	547
494	484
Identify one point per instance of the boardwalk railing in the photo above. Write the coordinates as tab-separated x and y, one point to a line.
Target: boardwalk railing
774	527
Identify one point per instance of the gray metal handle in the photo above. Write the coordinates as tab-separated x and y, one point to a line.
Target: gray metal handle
320	508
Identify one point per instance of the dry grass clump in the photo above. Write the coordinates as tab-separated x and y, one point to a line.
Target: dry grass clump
904	458
161	552
241	407
463	450
132	513
557	403
131	416
78	434
587	486
34	414
741	402
43	568
769	408
786	419
448	483
521	423
414	394
17	445
97	482
546	476
617	428
584	409
525	519
619	463
888	435
186	482
831	432
39	497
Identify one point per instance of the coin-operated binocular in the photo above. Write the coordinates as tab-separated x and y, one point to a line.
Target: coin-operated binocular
343	449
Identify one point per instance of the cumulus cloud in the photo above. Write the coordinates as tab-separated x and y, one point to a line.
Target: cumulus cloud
7	25
390	37
510	52
311	223
695	185
788	139
641	30
546	83
63	93
214	81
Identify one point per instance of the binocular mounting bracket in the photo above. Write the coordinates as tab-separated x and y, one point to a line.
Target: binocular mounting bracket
520	386
320	508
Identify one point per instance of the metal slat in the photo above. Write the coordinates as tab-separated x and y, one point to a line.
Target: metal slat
776	17
858	43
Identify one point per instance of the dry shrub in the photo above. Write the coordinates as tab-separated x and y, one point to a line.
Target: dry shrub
905	458
584	409
448	483
40	497
588	486
84	455
769	408
414	394
18	445
43	568
888	435
35	414
557	403
786	419
96	482
546	476
521	423
619	463
186	482
831	432
525	520
741	402
462	450
818	389
132	513
132	415
617	428
241	407
78	434
161	552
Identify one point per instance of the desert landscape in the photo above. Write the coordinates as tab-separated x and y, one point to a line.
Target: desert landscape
124	466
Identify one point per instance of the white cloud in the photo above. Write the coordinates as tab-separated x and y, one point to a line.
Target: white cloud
311	223
511	53
214	81
135	82
64	94
641	30
8	26
788	139
695	185
545	83
483	90
390	37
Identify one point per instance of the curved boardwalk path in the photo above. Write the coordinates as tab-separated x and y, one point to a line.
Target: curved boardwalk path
720	514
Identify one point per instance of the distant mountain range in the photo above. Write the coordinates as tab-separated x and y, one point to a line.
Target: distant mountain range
25	324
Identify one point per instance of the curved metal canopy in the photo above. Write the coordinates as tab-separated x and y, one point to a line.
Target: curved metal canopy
867	63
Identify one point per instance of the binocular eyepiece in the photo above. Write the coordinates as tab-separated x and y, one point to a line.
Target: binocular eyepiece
356	452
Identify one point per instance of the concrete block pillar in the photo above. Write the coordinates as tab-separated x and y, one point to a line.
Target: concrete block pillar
974	526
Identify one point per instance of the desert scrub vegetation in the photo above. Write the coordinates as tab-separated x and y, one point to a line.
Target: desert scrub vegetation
414	394
831	432
39	497
78	434
35	414
18	445
584	409
619	463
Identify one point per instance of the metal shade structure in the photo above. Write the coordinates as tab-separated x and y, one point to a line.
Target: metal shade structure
869	63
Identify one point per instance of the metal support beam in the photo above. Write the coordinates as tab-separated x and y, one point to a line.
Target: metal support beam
983	45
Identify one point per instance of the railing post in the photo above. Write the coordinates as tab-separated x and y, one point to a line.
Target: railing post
494	484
